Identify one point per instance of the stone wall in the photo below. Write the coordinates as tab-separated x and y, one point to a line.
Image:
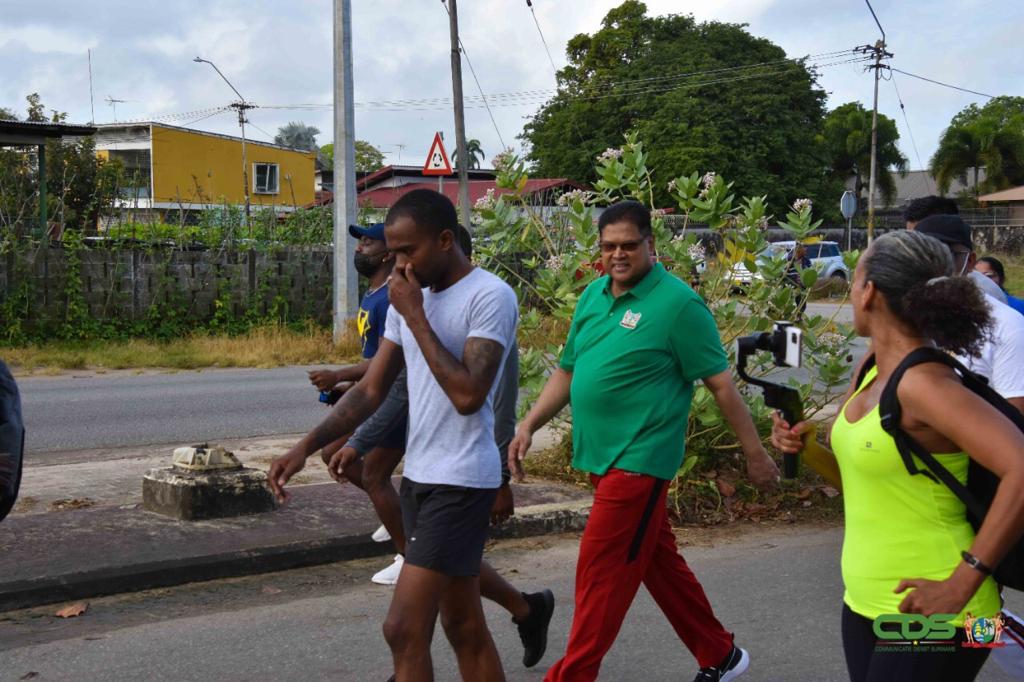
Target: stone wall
124	284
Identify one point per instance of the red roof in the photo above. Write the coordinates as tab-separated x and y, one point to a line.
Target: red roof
384	197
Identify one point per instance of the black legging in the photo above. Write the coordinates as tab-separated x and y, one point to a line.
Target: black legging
864	665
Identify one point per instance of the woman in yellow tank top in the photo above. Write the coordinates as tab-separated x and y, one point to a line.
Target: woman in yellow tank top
905	536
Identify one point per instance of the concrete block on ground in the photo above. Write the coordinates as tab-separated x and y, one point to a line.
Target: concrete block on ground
192	496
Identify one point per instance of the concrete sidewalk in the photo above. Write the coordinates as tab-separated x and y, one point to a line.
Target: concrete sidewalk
79	530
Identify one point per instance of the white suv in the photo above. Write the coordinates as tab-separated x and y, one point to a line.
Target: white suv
825	257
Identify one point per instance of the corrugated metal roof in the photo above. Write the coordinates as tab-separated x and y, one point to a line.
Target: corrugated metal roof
45	129
1012	194
384	197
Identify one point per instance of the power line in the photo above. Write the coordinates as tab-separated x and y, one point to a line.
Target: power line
632	87
477	81
920	164
529	4
945	85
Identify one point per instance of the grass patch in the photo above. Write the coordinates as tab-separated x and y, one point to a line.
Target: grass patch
1014	266
269	346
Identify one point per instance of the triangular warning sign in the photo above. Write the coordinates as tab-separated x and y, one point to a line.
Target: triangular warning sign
437	162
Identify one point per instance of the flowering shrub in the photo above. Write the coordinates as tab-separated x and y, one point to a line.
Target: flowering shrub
549	258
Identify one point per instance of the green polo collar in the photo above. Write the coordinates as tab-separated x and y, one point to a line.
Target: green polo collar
644	286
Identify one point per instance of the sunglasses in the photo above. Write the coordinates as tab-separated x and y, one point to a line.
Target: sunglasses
627	247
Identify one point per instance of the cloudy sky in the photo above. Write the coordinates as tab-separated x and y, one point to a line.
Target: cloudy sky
279	54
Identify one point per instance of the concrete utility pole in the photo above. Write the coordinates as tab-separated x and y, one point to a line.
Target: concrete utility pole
241	106
346	284
460	121
878	49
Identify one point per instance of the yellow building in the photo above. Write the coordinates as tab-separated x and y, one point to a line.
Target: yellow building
172	168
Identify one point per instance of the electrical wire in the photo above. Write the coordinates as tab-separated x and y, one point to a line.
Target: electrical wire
476	80
533	96
945	85
542	40
913	142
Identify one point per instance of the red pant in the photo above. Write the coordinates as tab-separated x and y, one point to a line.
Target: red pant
617	553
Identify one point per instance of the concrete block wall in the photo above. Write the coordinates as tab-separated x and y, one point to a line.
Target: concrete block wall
125	283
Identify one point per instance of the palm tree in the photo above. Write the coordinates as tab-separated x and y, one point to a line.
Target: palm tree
847	137
980	143
473	150
297	136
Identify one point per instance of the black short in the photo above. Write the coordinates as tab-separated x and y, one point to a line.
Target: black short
445	526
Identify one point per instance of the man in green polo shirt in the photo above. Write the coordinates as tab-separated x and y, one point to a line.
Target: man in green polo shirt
640	338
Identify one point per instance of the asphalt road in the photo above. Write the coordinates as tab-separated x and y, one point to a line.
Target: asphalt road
88	411
779	590
95	411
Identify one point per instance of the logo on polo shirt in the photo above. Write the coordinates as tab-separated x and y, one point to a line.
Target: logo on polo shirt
630	320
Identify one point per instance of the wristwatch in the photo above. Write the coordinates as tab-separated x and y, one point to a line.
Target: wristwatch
975	563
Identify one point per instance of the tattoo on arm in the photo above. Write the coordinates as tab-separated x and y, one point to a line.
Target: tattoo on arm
482	357
350	411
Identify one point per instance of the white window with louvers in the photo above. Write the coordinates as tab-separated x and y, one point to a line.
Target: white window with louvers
265	178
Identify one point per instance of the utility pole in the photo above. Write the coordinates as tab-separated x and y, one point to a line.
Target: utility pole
241	106
460	121
346	284
878	49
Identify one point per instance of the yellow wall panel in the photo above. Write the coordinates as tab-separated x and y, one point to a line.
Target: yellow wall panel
193	168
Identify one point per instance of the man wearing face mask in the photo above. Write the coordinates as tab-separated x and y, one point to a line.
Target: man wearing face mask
373	262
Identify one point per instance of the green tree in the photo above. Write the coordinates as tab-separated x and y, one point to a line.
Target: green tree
650	75
847	137
474	152
368	157
989	137
297	136
80	186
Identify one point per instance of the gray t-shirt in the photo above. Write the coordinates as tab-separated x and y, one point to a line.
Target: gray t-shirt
445	447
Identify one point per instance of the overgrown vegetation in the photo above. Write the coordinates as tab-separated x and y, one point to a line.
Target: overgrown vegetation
549	260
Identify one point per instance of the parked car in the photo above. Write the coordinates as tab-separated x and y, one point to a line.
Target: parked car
825	257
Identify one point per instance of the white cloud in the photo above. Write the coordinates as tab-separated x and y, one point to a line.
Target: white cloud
281	53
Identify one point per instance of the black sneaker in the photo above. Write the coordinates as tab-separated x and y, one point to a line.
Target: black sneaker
734	665
534	630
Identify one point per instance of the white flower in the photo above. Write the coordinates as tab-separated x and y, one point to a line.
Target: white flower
672	186
659	213
569	197
697	252
801	204
504	159
555	262
762	223
708	179
832	341
609	154
486	202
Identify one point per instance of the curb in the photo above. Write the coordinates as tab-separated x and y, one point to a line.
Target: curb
529	521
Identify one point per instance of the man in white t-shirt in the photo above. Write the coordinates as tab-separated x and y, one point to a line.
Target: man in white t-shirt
452	337
1002	357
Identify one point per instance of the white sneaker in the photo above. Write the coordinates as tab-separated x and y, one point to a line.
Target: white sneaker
389	575
381	534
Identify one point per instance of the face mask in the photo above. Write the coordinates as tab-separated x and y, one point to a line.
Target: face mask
367	265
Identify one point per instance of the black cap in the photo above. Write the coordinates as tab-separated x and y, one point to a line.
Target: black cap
948	229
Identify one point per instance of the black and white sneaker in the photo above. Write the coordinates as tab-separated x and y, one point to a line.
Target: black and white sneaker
734	665
534	630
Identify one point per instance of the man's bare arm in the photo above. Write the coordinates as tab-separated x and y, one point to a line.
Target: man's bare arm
466	382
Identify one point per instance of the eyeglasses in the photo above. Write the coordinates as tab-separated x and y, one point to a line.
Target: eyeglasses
627	247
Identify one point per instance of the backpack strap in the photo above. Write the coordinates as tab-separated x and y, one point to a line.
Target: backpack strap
891	414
